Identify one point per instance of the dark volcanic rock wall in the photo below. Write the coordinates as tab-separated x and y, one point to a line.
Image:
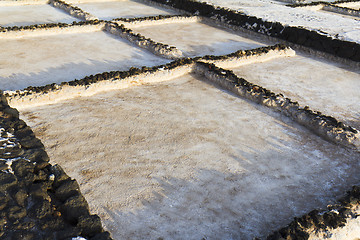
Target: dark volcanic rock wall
37	200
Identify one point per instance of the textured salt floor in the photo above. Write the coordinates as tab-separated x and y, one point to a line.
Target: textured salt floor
339	27
122	9
185	160
22	15
323	86
36	61
198	39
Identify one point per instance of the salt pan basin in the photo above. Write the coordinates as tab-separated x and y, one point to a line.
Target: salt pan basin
108	10
198	39
184	160
23	15
330	88
57	58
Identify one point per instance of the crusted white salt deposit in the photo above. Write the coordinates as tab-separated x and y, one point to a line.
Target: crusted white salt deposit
22	15
41	60
185	160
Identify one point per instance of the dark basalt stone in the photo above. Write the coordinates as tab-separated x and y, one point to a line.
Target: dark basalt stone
40	209
7	180
22	168
67	189
89	225
101	236
74	207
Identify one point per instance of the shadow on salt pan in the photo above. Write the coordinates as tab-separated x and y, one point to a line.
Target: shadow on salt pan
224	205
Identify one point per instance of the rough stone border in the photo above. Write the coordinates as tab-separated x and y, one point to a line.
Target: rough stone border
157	20
21	30
96	83
93	84
330	7
298	35
38	200
243	57
159	49
151	18
321	222
72	10
324	126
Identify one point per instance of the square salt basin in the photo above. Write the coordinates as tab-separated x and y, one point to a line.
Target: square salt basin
324	86
41	60
109	10
198	38
184	160
23	15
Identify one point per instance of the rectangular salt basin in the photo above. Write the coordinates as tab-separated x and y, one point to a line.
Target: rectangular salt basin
326	87
41	60
23	15
184	160
199	39
109	10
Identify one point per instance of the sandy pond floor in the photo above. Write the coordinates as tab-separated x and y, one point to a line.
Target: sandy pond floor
324	86
185	160
22	15
108	10
47	59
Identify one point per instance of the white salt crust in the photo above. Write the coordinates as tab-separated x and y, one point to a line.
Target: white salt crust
23	15
184	160
55	58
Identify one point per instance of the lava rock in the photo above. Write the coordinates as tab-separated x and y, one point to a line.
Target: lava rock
7	180
101	236
40	209
75	207
90	225
67	189
22	168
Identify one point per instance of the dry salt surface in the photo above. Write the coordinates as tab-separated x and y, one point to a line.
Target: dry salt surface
22	15
56	58
108	10
330	88
343	28
184	160
198	39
